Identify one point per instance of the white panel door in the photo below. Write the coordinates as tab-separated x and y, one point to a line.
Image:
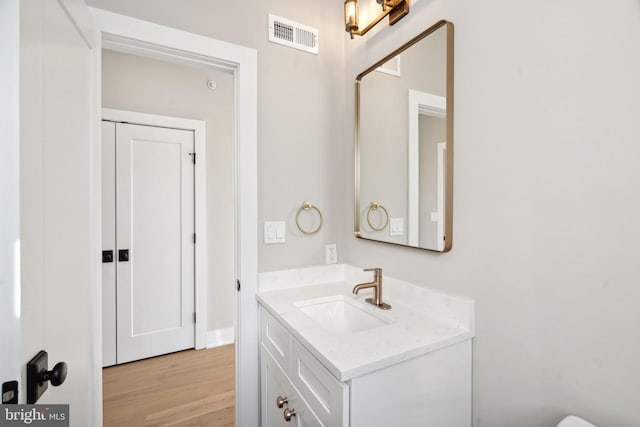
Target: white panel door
50	280
10	192
155	224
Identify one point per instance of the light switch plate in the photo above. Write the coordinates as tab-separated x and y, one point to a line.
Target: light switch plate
274	232
396	226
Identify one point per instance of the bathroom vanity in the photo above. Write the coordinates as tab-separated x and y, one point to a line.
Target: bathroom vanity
330	359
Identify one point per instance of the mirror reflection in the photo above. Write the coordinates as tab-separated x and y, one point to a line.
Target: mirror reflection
404	144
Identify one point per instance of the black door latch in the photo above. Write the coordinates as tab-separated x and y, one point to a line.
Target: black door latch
107	256
10	393
123	255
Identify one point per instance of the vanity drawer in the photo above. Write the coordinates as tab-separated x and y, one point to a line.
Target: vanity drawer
327	397
275	385
276	339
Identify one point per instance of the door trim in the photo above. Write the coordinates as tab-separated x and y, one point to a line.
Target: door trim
430	105
200	208
125	34
10	368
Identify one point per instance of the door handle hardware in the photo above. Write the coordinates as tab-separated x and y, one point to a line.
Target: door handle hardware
280	401
107	256
123	255
38	376
57	375
288	414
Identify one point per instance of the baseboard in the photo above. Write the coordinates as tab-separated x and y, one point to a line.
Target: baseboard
220	337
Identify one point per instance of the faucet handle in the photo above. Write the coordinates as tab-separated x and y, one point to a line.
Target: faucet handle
377	270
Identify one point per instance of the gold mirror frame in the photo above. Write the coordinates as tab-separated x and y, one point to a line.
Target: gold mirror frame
448	197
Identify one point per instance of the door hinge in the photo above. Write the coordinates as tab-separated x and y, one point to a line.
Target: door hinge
194	238
194	317
193	157
238	283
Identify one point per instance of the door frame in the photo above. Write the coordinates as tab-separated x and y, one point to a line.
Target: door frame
200	201
441	182
429	105
11	367
134	36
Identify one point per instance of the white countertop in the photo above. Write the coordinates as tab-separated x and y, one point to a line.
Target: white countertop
420	321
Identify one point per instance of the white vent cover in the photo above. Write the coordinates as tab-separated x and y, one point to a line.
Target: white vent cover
292	34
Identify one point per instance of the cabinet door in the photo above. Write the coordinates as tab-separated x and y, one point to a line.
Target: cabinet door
304	417
276	384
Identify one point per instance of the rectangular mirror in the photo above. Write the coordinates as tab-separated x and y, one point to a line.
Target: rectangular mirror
404	144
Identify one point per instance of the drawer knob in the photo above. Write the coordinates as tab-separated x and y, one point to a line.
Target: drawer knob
280	401
288	414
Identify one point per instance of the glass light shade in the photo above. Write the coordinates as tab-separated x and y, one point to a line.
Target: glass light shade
351	15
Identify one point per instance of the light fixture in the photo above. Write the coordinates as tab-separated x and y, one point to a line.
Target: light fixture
396	9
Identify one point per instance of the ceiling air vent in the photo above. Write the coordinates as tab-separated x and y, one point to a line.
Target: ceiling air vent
292	34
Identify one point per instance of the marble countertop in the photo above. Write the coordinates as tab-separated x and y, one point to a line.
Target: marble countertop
420	321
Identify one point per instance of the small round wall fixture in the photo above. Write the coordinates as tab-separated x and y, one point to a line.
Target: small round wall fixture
308	207
212	85
374	206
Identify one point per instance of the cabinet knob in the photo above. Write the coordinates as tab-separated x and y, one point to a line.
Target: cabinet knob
280	401
288	414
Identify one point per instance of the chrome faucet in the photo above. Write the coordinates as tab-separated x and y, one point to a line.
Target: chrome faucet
377	289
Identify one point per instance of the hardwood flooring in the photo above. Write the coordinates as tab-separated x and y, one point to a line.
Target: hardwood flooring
189	388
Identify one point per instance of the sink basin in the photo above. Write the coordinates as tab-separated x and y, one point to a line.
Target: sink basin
340	315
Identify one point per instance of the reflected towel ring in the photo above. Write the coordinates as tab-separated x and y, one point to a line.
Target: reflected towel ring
306	206
373	207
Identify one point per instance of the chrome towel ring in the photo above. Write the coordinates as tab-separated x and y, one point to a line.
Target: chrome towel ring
306	206
373	207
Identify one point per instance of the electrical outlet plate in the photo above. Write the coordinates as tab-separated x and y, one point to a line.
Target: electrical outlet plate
331	253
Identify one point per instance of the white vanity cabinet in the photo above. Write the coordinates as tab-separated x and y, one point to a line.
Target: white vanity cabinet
432	389
280	396
291	372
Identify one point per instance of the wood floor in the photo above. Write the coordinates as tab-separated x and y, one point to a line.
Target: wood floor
189	388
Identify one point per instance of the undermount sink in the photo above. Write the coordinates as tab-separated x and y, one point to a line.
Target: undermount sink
340	315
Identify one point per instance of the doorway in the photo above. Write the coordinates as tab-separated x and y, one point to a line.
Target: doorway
156	160
148	230
124	34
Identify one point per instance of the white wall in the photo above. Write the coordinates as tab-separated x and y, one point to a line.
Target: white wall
545	205
546	202
300	109
146	85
